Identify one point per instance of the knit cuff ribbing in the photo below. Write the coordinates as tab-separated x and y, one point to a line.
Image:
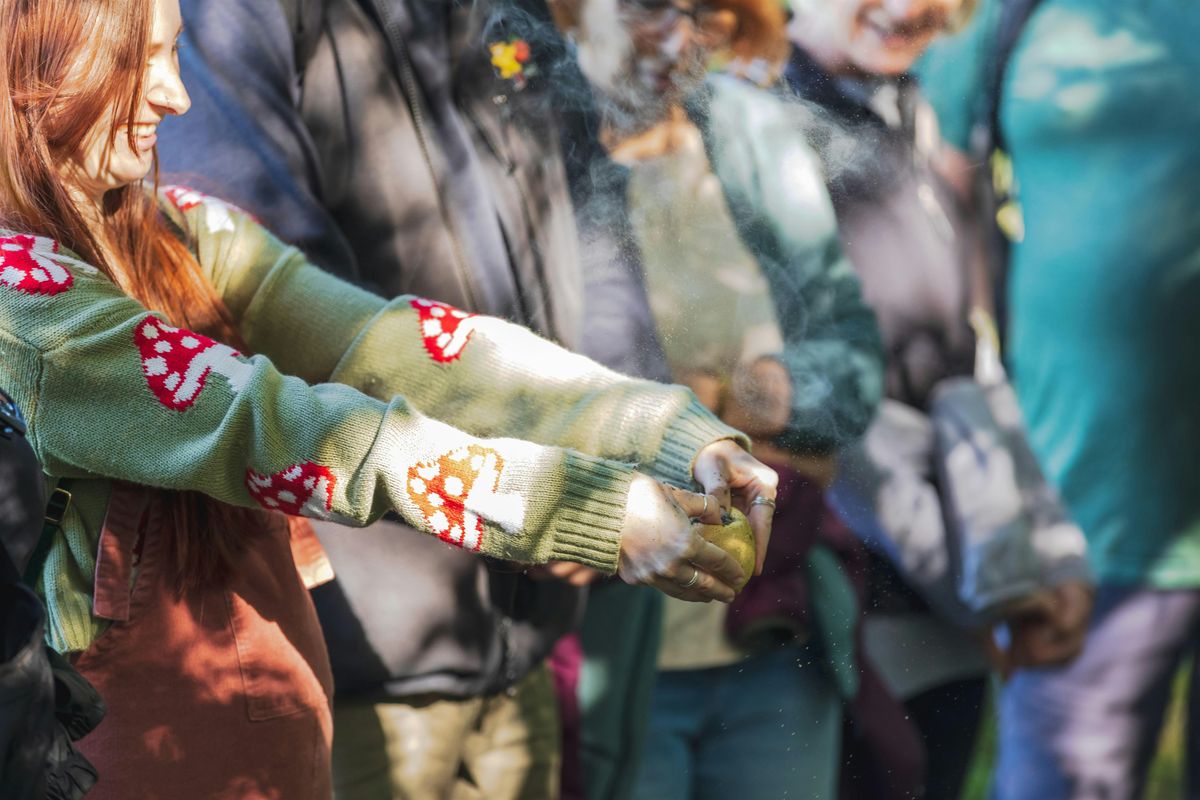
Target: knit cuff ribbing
587	524
686	435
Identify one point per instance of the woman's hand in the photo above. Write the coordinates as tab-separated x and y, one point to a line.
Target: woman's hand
661	548
737	478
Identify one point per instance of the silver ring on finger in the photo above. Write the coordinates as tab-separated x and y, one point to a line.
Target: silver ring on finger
704	510
693	581
763	501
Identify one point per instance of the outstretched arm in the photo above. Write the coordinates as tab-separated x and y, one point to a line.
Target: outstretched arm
486	376
116	392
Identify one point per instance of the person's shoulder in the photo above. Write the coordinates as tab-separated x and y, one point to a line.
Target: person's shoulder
770	125
758	114
43	283
38	267
198	213
735	95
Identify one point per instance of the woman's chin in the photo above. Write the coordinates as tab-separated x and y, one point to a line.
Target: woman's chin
134	172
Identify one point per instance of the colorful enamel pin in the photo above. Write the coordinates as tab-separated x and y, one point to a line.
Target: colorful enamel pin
511	61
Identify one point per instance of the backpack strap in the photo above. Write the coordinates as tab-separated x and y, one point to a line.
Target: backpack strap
1014	14
996	189
56	510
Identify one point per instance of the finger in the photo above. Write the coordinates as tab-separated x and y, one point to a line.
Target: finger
1053	652
672	589
718	563
577	574
562	569
1040	644
1036	606
698	507
715	480
1077	607
707	586
1066	644
761	518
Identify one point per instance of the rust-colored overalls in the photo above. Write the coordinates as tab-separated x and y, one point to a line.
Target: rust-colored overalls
223	693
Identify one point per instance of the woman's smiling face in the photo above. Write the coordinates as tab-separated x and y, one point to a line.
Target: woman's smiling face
883	37
107	159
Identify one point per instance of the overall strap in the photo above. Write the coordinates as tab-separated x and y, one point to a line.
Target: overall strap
114	559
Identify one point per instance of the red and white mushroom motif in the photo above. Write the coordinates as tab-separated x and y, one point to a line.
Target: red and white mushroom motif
452	490
183	198
300	490
445	330
216	211
27	265
177	362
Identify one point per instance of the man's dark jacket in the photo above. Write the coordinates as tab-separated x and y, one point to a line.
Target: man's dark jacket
378	137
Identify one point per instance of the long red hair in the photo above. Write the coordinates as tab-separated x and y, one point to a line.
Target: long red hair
64	66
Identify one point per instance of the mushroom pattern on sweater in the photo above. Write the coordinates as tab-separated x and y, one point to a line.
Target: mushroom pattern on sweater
28	264
325	418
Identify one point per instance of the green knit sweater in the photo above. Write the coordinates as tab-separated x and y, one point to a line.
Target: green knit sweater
350	407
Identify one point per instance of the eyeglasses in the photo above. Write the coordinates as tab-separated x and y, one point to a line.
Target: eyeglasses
664	15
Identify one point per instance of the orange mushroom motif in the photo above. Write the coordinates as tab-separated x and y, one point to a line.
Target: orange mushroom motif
450	491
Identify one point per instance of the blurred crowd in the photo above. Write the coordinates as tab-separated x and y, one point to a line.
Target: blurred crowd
546	299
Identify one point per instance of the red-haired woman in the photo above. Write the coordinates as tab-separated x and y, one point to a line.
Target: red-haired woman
179	603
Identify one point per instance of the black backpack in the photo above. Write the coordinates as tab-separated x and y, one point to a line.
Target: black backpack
45	704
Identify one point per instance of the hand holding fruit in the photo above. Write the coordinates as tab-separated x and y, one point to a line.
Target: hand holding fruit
734	536
739	480
660	546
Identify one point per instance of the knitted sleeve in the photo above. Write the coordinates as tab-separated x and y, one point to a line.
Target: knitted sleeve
480	374
114	391
832	346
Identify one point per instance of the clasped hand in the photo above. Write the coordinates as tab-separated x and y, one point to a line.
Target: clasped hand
660	545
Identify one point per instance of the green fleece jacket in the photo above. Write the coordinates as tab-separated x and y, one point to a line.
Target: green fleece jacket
351	407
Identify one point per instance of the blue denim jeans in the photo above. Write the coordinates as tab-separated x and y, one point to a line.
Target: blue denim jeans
1088	731
769	727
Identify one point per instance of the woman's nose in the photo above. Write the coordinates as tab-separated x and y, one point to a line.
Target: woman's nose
168	94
